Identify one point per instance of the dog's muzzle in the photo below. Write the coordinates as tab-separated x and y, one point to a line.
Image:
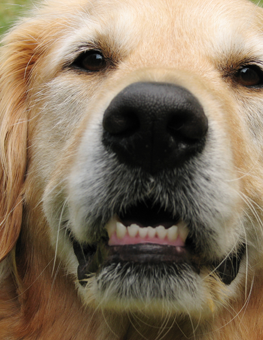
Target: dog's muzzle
154	131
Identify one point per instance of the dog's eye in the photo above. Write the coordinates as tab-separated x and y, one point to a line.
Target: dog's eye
92	61
249	76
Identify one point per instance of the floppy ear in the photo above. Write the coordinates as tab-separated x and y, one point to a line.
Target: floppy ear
21	50
15	65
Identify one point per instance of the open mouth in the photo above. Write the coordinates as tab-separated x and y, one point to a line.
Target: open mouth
145	235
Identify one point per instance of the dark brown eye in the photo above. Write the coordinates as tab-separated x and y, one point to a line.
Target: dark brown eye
92	61
249	76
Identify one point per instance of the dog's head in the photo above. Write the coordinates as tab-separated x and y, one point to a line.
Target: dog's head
131	149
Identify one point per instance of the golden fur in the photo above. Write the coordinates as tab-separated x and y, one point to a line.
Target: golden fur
46	110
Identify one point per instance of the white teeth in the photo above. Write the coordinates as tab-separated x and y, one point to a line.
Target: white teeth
120	230
172	233
111	227
161	232
143	232
133	230
151	232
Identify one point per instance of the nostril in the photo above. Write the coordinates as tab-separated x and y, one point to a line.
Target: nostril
122	121
175	125
188	124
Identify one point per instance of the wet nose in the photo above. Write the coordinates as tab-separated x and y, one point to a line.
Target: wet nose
154	126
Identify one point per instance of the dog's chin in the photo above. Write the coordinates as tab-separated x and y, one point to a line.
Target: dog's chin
134	266
152	279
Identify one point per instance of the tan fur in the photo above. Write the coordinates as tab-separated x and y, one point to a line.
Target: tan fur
166	41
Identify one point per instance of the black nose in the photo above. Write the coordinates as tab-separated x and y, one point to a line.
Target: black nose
154	126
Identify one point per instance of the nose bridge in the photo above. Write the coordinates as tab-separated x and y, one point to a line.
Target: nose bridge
176	55
169	58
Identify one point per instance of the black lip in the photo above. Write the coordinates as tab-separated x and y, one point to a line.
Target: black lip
229	268
148	253
93	258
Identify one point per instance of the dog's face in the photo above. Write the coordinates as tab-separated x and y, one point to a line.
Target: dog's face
145	149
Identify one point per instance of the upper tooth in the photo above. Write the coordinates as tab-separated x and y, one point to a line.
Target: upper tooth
133	230
143	232
120	230
172	233
151	231
111	227
161	232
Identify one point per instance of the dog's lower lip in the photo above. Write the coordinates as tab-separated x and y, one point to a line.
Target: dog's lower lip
93	258
147	253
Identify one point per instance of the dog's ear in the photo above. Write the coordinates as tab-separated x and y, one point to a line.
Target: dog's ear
15	64
21	50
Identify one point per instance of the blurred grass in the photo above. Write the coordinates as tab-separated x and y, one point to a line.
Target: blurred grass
258	2
10	9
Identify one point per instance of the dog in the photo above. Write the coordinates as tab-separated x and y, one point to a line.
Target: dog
132	171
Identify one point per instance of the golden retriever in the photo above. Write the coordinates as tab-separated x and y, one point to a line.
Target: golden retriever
131	137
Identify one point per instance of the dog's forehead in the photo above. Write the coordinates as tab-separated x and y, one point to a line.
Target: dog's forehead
173	26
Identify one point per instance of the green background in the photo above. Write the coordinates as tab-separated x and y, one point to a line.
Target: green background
10	9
